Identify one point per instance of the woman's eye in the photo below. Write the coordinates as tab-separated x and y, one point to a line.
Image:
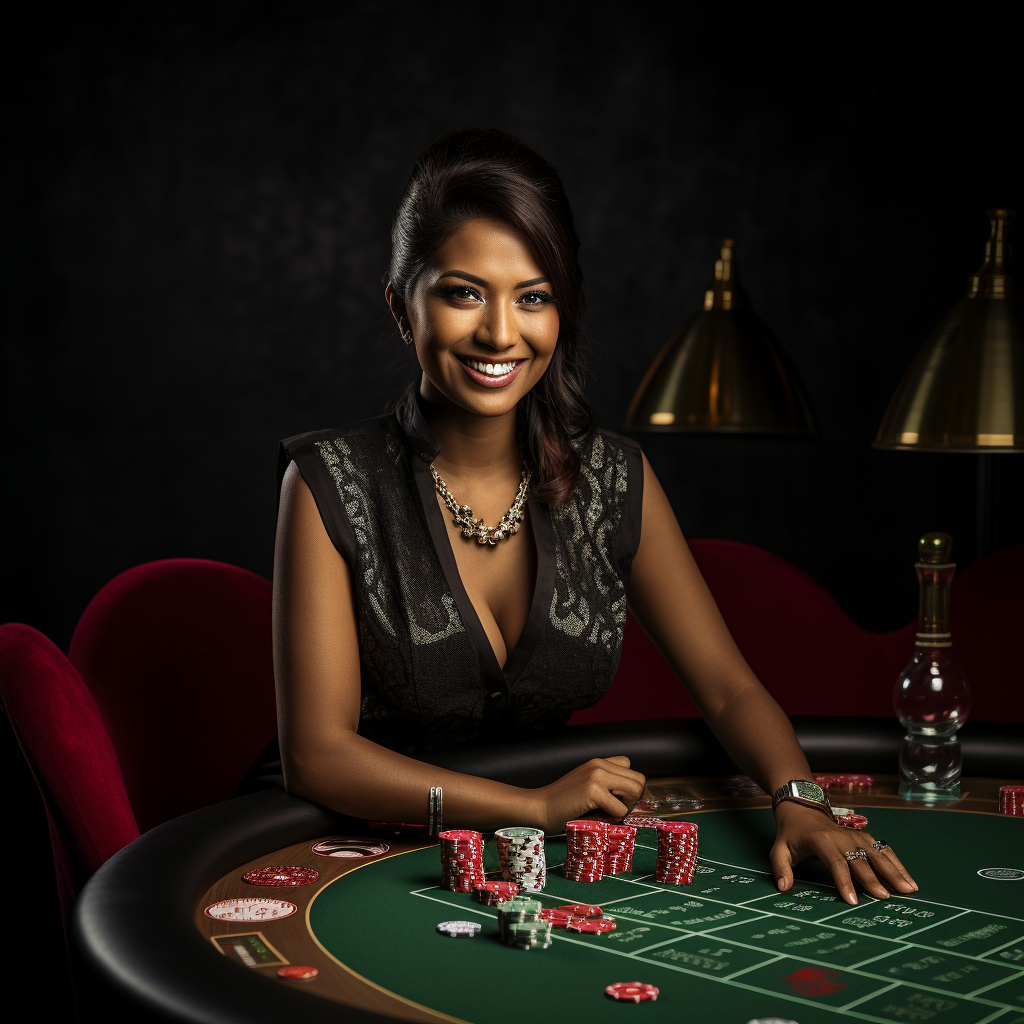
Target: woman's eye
457	291
536	298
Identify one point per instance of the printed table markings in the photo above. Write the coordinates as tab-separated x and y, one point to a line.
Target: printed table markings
973	933
707	956
679	909
809	939
1011	952
821	985
947	972
902	1004
1010	991
893	918
807	902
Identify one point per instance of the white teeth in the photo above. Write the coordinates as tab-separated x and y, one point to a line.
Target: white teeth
491	369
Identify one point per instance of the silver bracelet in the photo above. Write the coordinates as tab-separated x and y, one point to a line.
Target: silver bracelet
434	812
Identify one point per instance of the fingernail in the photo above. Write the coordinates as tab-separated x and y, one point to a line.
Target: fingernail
915	886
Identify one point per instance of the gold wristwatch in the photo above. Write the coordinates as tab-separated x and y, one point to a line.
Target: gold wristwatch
800	791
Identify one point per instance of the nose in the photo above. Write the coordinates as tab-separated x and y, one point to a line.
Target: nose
496	329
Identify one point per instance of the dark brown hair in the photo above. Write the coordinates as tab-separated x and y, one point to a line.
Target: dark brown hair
484	172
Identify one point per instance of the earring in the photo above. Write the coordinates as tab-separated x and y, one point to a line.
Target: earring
406	335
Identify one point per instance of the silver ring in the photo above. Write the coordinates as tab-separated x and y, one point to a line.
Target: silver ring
880	845
859	854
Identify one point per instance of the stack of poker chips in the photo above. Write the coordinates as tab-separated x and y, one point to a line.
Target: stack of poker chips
586	843
521	926
618	854
1011	801
490	894
522	859
677	852
462	860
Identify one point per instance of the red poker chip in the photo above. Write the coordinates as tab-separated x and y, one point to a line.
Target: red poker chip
642	821
591	925
632	991
852	820
558	918
287	875
296	972
581	909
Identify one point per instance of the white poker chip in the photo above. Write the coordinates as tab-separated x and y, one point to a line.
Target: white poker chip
459	929
771	1020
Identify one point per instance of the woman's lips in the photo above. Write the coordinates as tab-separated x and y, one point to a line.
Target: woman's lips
493	382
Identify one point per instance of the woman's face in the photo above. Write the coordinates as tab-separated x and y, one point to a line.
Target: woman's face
483	319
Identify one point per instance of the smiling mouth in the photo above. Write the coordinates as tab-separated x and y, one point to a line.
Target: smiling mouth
490	369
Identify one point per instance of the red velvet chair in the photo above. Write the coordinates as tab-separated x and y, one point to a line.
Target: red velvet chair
812	658
178	655
66	744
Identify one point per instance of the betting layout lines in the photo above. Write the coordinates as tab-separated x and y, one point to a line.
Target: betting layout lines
881	960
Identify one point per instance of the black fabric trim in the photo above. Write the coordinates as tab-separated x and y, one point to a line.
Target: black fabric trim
303	452
628	540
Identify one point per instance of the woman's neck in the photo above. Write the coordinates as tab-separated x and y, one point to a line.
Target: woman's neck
472	446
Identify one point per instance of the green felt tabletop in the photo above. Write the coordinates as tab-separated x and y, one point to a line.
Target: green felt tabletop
728	948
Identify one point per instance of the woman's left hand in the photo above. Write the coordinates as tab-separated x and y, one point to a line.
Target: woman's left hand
803	831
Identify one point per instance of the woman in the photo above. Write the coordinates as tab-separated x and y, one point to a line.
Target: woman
403	621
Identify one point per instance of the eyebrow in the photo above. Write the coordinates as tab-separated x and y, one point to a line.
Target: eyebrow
485	284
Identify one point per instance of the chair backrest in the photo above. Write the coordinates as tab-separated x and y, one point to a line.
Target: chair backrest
811	657
178	655
61	732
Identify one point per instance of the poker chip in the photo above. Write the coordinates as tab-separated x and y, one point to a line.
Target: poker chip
490	894
641	821
349	849
522	924
558	918
591	925
459	929
850	819
581	910
848	782
462	860
677	853
522	857
631	991
250	908
296	972
1011	801
289	875
586	845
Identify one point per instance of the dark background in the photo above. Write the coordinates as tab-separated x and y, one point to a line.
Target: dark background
197	208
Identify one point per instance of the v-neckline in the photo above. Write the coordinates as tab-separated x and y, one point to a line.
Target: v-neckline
499	679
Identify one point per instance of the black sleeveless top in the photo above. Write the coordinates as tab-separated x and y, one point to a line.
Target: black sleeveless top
429	675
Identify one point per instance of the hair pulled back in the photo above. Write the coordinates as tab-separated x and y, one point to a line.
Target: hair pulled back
489	173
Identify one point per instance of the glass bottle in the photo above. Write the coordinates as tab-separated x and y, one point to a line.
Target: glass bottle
931	697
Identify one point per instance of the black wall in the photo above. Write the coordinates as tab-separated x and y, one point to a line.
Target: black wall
198	224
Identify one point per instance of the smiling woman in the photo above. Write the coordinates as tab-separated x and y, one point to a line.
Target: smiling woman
411	611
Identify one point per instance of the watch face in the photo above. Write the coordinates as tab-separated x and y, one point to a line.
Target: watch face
809	791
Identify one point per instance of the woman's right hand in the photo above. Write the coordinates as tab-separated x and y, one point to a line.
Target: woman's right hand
604	786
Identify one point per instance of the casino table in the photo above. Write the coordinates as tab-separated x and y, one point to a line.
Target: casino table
727	948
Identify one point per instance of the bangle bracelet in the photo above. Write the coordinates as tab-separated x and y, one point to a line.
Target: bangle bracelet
434	812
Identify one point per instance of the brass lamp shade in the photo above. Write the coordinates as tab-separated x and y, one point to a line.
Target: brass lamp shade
721	372
964	391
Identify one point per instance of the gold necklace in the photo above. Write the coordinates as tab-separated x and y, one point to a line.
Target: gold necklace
471	527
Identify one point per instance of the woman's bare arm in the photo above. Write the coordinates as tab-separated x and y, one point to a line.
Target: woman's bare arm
316	666
670	599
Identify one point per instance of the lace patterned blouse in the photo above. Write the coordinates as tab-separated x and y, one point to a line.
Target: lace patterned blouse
429	675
